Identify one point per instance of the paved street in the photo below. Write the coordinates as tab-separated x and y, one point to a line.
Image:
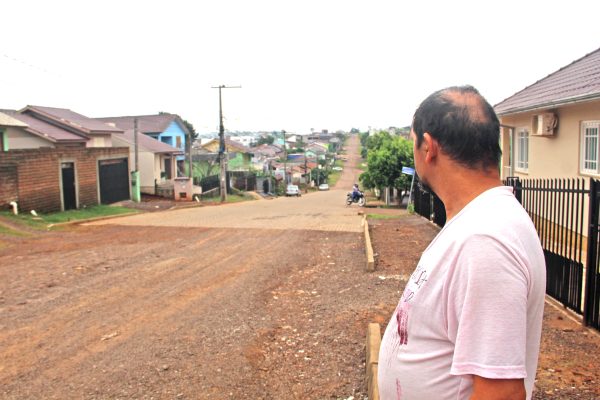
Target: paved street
325	211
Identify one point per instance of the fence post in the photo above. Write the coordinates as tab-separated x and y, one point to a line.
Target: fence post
591	254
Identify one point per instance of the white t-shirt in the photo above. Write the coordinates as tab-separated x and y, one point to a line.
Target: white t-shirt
473	306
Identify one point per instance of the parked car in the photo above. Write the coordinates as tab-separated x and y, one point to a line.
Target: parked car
292	190
337	168
323	186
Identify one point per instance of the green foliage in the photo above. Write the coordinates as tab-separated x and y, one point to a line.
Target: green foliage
42	220
265	140
386	155
383	216
204	168
190	128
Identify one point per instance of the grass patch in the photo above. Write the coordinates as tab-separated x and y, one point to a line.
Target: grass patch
333	177
42	220
383	216
231	198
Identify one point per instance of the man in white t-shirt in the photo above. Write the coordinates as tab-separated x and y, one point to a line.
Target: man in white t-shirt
469	322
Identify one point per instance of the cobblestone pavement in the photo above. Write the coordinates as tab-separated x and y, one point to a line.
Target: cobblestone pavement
324	211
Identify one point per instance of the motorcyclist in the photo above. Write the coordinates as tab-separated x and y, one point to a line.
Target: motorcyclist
355	192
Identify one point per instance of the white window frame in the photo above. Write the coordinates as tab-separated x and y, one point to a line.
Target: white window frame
589	162
522	136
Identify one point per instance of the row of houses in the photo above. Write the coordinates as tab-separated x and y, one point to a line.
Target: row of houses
56	159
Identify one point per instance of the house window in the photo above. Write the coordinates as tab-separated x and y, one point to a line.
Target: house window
178	142
522	150
589	147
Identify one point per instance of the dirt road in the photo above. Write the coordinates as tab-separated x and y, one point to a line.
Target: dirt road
257	303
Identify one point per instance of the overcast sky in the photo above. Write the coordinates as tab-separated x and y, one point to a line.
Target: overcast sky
323	64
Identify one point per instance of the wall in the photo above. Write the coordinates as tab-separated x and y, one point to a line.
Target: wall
100	141
147	172
170	135
39	172
556	156
9	190
19	139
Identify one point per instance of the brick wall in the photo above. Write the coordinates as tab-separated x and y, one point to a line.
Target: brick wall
38	172
8	184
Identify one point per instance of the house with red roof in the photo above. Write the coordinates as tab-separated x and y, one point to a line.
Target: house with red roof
164	127
551	129
157	161
55	159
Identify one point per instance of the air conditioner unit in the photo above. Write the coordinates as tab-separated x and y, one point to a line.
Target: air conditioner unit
544	124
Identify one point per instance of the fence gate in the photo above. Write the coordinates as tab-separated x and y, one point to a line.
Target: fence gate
591	309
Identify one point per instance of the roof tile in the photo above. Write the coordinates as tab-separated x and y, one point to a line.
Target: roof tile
577	81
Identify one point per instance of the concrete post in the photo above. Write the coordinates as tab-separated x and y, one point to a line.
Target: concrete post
136	195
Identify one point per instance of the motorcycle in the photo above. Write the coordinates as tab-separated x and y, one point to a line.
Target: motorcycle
360	199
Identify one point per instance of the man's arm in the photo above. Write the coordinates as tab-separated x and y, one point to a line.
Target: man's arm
498	389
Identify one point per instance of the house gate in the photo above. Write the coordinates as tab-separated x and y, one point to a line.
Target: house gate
113	180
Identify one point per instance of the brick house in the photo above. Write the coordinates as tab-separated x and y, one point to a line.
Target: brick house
54	159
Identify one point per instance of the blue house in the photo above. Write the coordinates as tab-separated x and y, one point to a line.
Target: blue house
165	127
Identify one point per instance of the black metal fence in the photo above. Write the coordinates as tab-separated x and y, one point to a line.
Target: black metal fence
428	205
242	180
557	208
566	216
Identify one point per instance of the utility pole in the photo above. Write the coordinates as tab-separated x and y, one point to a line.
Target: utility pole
305	172
222	152
135	142
285	159
135	175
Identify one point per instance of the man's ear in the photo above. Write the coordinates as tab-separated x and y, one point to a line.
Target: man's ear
431	147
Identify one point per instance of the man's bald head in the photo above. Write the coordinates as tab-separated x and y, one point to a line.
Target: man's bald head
464	124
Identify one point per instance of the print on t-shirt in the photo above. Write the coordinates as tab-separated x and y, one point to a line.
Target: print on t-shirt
414	284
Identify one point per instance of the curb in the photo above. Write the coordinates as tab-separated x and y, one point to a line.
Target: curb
373	344
368	247
94	219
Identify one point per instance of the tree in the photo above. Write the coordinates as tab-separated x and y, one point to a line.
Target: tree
385	158
265	140
190	127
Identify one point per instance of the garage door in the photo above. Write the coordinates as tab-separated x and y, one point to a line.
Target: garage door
114	180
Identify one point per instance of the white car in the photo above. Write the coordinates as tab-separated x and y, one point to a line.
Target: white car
292	190
323	186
